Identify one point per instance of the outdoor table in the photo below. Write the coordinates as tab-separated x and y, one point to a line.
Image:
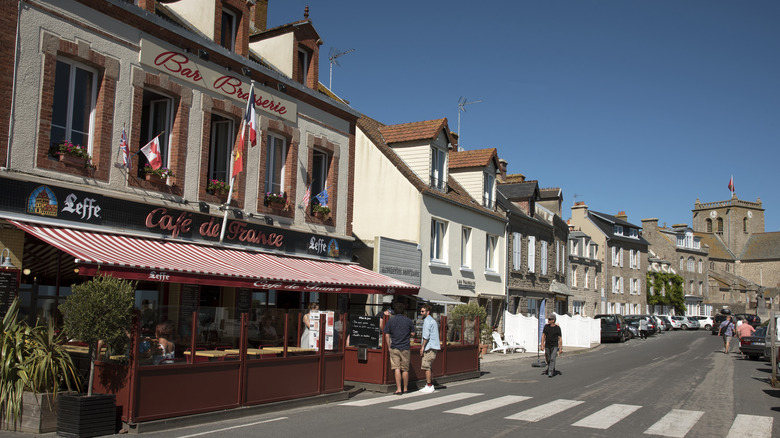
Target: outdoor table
252	352
211	354
290	349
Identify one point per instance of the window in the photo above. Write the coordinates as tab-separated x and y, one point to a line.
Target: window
557	256
633	232
691	263
720	225
615	283
700	266
634	286
465	248
680	240
617	229
533	307
638	256
745	225
701	288
614	256
229	28
490	253
693	292
75	94
682	263
319	174
708	225
438	166
517	251
438	231
274	165
578	307
573	247
222	138
587	278
157	119
303	65
531	253
489	182
574	271
544	257
631	259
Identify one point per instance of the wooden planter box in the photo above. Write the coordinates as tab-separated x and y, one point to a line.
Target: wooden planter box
70	160
39	414
154	179
79	415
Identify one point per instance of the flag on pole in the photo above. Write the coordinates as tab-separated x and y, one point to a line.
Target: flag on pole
238	157
731	184
152	152
306	198
250	118
323	197
126	162
542	320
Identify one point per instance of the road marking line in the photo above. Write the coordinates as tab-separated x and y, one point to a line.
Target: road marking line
478	408
545	410
234	427
605	418
436	401
596	383
382	399
675	424
751	426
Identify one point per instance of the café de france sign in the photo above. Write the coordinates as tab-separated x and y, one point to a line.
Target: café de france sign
189	68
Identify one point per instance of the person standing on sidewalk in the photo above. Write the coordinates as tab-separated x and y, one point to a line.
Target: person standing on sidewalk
552	340
430	346
398	331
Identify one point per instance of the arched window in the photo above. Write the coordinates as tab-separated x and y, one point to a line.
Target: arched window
744	224
682	263
691	264
720	225
708	223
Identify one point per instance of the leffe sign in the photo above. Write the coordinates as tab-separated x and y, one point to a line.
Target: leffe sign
189	68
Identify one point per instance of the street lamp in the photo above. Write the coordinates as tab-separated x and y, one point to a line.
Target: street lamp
6	259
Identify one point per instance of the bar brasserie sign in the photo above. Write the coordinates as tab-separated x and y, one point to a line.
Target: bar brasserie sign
187	67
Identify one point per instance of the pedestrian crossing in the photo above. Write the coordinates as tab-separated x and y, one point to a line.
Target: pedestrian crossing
677	423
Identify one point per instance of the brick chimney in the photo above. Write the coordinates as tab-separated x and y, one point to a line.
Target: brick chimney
579	211
622	216
650	224
261	15
502	169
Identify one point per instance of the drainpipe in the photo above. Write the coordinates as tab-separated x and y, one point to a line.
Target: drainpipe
506	266
13	89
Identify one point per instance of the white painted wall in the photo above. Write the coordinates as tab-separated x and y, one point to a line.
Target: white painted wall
199	13
278	51
418	158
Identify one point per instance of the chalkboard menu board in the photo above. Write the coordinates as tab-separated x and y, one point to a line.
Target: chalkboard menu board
190	300
9	286
364	330
243	299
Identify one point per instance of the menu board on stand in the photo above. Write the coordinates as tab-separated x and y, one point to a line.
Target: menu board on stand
9	288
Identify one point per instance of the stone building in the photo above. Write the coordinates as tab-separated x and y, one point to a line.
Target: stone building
684	251
584	275
624	258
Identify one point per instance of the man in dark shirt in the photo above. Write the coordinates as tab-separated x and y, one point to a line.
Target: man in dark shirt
398	332
552	340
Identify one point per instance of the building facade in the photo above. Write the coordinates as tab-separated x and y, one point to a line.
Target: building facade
584	274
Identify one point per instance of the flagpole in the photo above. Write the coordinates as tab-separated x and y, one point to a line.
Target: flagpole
233	177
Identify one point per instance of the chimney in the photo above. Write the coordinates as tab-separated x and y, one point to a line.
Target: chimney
261	15
502	169
650	224
578	213
454	139
622	216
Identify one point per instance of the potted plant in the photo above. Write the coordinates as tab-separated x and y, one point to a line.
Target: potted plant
468	313
158	175
34	368
218	187
100	309
320	211
73	154
274	200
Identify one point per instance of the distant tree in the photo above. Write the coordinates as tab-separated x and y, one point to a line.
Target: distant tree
667	290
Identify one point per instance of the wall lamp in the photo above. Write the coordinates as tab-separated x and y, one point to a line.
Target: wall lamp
6	259
281	87
268	220
203	207
202	54
246	71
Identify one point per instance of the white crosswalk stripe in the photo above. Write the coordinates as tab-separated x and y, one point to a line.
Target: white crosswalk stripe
430	402
606	417
383	399
675	424
545	410
751	426
489	405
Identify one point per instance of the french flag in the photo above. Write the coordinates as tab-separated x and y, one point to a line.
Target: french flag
250	117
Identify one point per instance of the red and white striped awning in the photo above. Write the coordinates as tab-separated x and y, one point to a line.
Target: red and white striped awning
168	261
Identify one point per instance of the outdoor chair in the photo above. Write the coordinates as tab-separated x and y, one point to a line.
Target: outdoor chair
503	346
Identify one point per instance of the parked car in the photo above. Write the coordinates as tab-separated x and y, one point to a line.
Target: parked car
667	322
753	346
634	320
753	320
613	327
675	324
693	323
684	323
633	331
717	321
704	321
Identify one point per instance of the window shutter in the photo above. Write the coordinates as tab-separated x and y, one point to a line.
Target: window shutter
517	250
531	253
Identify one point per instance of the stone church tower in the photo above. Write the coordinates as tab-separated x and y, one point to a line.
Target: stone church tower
733	220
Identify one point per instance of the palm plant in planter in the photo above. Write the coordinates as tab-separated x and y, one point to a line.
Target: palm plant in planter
34	368
100	309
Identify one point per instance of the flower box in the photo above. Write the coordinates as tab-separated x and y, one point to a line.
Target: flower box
155	179
70	160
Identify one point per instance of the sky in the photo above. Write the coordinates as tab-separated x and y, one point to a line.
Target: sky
640	106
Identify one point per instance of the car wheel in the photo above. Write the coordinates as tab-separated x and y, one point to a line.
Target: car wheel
684	327
754	357
622	337
707	327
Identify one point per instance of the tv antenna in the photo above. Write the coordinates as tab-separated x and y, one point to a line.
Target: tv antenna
575	196
333	56
462	102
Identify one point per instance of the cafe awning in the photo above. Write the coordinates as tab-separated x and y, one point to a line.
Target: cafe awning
168	261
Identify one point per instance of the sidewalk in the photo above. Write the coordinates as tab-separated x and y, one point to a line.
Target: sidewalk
531	356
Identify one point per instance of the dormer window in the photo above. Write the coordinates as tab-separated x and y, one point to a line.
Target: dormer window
633	232
438	165
488	196
303	65
229	30
617	230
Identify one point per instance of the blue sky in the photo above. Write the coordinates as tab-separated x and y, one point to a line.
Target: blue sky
640	106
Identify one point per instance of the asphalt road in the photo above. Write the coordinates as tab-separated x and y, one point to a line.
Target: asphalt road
675	384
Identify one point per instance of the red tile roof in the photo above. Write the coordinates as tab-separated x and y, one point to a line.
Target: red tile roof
427	130
478	158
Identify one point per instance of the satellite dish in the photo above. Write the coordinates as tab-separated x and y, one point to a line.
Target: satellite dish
333	55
